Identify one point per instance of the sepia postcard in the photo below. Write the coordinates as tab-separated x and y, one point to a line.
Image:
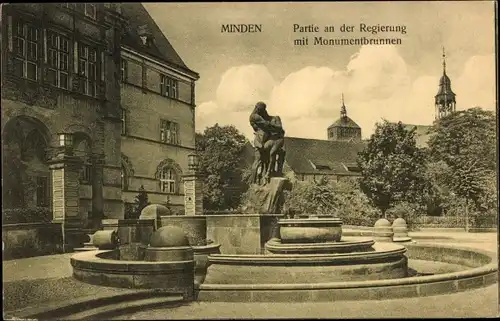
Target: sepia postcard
238	160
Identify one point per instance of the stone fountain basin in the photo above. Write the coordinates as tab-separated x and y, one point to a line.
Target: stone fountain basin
310	230
103	267
464	269
345	245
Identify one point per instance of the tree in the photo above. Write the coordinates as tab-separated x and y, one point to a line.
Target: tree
342	199
392	167
220	149
465	142
141	201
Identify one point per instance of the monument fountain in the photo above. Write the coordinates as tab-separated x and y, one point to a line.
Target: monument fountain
275	258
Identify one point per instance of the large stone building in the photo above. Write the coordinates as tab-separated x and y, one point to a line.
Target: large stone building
95	103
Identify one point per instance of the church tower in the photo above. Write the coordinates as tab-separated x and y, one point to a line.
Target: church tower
445	99
344	129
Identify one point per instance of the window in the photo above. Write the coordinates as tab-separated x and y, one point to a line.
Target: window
42	191
124	121
169	132
167	180
57	60
87	68
90	10
123	70
168	87
25	41
86	173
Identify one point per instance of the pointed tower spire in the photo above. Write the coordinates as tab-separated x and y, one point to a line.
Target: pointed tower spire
445	98
444	62
343	111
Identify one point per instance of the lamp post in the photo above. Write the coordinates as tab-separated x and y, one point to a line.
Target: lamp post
66	143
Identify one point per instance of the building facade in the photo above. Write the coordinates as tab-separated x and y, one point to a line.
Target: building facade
95	103
158	112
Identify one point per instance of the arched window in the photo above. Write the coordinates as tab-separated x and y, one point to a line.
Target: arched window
168	180
168	174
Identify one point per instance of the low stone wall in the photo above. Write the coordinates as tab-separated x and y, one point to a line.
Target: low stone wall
31	239
483	272
105	269
241	233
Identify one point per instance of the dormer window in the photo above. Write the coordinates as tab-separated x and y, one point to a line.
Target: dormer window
352	167
144	40
90	10
320	166
145	35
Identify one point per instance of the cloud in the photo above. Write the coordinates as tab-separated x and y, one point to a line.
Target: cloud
376	72
477	84
376	84
241	87
300	93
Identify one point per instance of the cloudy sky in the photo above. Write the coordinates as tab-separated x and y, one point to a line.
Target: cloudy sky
303	84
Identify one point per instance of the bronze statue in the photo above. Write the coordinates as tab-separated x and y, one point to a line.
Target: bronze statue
268	144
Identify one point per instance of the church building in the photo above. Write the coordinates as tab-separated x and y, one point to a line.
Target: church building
334	157
445	104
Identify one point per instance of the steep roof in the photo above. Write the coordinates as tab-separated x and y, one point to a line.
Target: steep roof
161	48
422	133
345	121
315	156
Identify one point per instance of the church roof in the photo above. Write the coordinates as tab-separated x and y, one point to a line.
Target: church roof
422	133
326	157
161	48
345	121
445	87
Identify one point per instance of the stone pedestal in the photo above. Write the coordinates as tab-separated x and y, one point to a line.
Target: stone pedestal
66	199
267	199
193	194
242	233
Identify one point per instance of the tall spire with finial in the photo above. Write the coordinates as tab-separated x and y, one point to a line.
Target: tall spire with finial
445	98
343	111
444	62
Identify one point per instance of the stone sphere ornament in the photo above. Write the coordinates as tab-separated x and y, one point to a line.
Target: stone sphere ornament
400	229
382	231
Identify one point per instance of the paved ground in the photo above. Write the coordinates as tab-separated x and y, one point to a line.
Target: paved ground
35	268
477	303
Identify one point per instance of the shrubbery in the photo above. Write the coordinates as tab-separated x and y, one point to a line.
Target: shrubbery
411	213
341	199
26	215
